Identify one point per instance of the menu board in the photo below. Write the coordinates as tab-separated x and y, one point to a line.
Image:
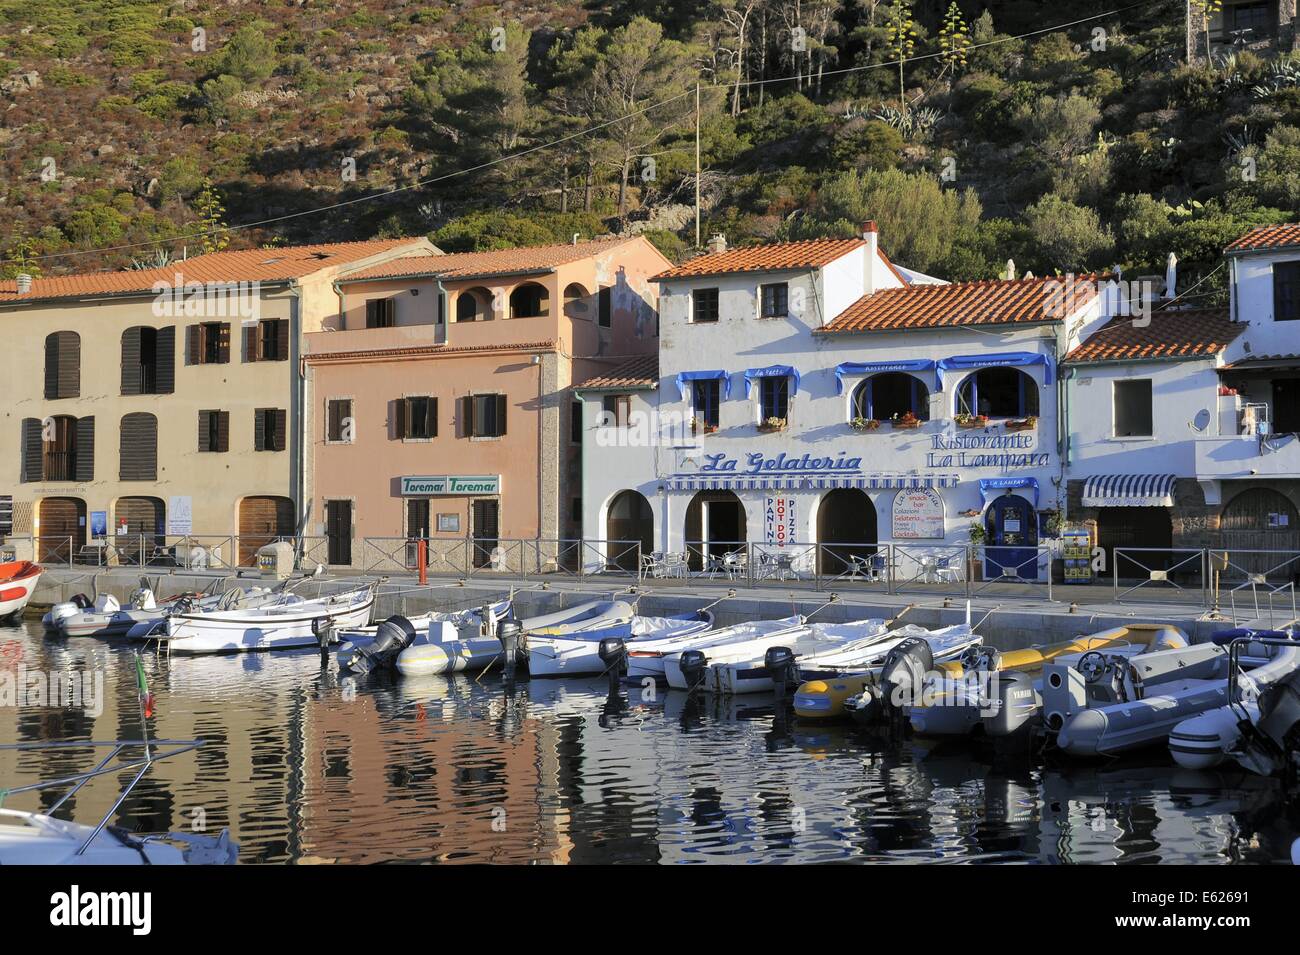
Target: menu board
918	515
779	520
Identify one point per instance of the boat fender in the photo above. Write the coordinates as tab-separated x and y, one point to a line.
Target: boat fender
904	671
693	663
781	668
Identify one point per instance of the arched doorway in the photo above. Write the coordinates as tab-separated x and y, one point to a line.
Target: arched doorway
1136	529
575	301
261	520
1011	538
1261	519
629	519
474	305
846	529
715	526
137	527
62	529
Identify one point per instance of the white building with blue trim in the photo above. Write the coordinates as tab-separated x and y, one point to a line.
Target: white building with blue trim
813	393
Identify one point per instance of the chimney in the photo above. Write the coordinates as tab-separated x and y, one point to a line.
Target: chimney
1171	276
24	283
871	236
717	243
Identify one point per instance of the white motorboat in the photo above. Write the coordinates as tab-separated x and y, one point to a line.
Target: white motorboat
689	669
577	651
291	622
39	838
18	580
459	638
647	657
825	649
108	618
1145	718
829	691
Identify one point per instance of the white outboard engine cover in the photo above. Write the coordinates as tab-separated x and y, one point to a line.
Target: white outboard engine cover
63	611
147	601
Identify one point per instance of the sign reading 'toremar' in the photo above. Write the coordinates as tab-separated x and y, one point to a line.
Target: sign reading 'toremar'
444	484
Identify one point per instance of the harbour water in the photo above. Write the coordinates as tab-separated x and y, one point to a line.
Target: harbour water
304	767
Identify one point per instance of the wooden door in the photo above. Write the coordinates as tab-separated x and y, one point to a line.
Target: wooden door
261	521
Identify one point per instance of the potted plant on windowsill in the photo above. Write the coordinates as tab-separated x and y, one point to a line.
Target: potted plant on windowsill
971	420
702	427
1028	423
864	424
772	424
905	422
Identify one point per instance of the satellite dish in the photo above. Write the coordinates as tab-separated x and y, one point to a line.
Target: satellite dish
1202	420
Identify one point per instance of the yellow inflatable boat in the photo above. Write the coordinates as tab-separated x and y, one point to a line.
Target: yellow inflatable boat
824	698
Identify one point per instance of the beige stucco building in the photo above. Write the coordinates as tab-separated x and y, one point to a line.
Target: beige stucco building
441	405
151	405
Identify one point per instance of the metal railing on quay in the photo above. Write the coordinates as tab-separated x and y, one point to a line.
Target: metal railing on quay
937	568
853	564
1022	570
1157	572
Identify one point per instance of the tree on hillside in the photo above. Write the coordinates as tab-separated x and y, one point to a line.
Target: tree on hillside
209	211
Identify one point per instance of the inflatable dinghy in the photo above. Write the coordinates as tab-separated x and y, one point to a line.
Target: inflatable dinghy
998	693
1143	719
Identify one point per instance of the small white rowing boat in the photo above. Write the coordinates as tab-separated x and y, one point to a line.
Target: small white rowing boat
647	658
577	651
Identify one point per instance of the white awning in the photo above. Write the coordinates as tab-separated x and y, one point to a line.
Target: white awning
1129	490
787	482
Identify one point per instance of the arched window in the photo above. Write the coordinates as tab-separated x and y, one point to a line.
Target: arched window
138	447
998	393
891	393
575	302
474	305
529	301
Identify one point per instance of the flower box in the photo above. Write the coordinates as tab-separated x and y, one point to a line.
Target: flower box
1021	424
699	427
906	423
772	424
864	424
972	421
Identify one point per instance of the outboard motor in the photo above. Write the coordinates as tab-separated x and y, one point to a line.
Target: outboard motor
322	628
693	664
780	665
1013	703
391	637
613	654
510	633
67	609
903	673
1272	745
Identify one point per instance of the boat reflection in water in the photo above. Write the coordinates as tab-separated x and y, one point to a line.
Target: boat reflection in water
305	766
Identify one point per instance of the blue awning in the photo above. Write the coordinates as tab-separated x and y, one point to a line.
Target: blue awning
684	378
866	482
998	360
1129	490
773	371
991	487
876	367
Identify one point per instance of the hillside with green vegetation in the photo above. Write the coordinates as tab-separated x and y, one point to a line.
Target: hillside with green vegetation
136	129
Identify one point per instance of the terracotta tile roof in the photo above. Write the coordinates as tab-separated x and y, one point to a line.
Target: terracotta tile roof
1281	360
244	265
1171	335
537	258
994	302
640	372
1264	237
807	254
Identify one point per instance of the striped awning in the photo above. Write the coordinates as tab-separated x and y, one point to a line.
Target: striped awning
1129	490
803	482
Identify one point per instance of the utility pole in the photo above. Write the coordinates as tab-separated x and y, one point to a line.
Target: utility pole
697	165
